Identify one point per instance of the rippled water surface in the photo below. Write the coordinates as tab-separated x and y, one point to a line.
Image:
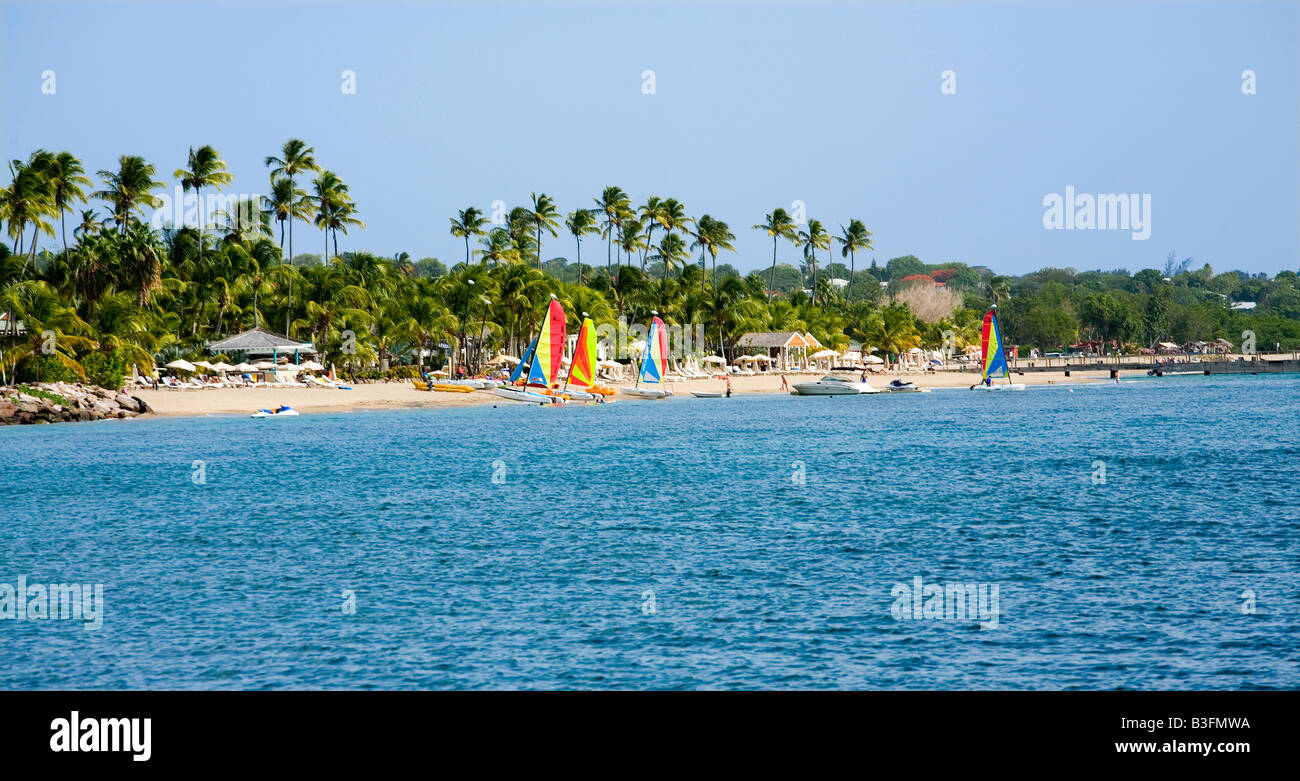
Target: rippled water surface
691	543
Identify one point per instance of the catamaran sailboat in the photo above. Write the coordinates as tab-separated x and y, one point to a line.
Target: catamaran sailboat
994	358
654	364
542	360
581	385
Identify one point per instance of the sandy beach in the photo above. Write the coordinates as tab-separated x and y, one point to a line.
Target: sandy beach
401	395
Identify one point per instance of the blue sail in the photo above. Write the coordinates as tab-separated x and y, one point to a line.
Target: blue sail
526	360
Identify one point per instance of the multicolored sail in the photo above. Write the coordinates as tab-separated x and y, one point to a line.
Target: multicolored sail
995	360
550	347
582	372
654	364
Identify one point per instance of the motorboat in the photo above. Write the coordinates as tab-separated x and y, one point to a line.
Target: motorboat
282	411
833	385
707	394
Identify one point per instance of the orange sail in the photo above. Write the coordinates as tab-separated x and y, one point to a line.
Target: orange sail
583	370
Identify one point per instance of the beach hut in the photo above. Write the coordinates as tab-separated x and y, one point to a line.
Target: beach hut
260	341
786	349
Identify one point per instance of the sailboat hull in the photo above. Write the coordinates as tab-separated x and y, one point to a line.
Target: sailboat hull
1019	386
525	396
647	393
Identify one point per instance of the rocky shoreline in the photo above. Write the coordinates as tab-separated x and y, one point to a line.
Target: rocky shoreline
84	402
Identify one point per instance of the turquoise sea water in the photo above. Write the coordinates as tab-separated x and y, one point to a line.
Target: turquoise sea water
770	531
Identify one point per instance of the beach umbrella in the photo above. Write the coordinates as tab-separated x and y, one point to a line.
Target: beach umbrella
637	346
264	365
244	367
873	359
204	365
222	366
503	360
310	366
608	365
182	365
715	359
440	373
824	354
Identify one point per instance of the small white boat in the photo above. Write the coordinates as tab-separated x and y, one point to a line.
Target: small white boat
282	411
993	358
1015	386
528	397
647	393
833	385
707	394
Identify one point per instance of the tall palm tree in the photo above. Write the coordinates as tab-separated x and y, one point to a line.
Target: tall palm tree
468	223
206	168
631	238
713	235
581	222
27	201
335	210
614	206
497	248
852	239
286	203
544	217
295	158
65	177
129	189
141	257
814	238
778	225
672	248
651	214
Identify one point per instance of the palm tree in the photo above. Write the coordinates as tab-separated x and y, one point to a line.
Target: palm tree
614	206
141	257
778	225
295	158
26	201
65	176
581	222
544	216
129	189
497	248
672	248
206	168
286	203
712	235
814	238
468	223
335	210
651	214
852	239
631	238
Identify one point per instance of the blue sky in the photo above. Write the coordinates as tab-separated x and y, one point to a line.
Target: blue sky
755	106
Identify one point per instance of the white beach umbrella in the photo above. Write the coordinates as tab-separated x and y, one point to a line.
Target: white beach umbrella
204	365
762	358
244	367
715	359
264	365
181	364
608	365
310	366
502	360
637	347
824	354
222	366
873	359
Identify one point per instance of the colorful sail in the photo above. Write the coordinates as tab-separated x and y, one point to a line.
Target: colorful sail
525	363
582	371
550	347
995	359
654	364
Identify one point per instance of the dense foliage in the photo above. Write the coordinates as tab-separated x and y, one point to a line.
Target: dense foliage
129	289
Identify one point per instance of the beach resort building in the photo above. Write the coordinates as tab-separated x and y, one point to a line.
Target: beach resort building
782	350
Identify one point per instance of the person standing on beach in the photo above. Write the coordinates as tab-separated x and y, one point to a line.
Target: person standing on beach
728	386
785	386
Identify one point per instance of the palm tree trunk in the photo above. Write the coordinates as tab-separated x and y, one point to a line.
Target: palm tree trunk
853	265
579	261
63	229
771	280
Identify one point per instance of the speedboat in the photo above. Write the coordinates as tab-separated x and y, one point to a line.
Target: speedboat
282	411
901	386
833	385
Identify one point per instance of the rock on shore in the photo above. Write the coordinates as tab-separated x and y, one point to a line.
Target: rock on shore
85	402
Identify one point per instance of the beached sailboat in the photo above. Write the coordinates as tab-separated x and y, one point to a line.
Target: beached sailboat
993	358
542	361
581	385
654	364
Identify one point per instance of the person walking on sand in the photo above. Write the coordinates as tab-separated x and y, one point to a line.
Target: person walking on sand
728	386
785	386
